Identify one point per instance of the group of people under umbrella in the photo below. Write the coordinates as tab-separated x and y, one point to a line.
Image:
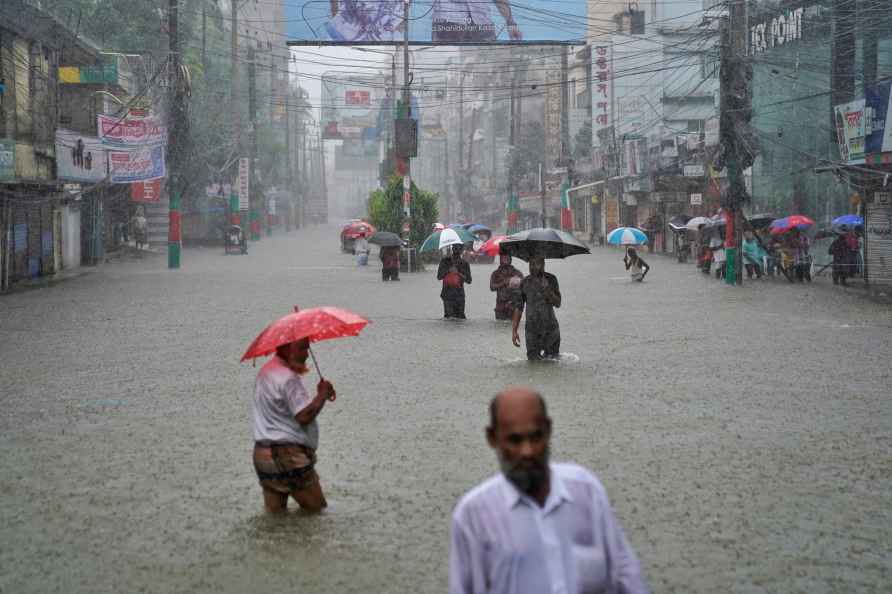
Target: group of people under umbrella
770	245
537	294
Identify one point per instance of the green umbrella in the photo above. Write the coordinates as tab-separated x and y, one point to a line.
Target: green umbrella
446	237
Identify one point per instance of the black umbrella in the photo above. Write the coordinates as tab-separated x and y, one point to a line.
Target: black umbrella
547	243
679	222
386	239
760	221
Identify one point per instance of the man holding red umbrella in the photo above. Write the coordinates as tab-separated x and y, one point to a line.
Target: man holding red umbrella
285	431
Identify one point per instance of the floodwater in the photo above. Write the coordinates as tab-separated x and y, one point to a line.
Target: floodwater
743	434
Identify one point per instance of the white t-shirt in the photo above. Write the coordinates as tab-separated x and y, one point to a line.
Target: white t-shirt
279	394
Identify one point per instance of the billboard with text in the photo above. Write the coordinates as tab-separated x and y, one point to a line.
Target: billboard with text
438	21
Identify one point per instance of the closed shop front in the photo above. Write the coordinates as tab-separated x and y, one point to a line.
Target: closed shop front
878	244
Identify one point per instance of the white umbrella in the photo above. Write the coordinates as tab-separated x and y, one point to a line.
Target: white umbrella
694	224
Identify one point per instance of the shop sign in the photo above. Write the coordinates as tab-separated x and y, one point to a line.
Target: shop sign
244	183
696	199
694	171
602	58
7	159
851	123
775	32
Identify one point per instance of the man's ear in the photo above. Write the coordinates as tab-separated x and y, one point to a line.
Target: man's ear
491	437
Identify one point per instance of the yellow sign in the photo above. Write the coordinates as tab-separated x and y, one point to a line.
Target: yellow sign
595	199
69	74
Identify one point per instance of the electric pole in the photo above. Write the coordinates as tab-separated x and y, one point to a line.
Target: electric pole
253	200
175	98
406	113
736	111
234	206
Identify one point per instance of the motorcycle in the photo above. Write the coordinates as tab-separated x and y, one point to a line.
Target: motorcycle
235	240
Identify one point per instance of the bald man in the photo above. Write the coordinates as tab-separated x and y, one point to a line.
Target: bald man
537	527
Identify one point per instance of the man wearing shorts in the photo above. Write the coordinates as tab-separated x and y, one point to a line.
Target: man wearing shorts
285	431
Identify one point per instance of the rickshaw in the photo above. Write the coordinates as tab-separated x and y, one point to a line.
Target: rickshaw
235	240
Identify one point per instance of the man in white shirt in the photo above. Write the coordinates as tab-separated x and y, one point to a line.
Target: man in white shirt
537	528
285	431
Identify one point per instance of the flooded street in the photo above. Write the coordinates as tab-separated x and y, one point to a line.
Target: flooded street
743	434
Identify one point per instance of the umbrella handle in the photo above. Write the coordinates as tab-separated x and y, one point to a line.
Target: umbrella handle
313	355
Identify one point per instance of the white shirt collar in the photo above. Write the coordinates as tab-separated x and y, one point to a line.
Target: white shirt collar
557	493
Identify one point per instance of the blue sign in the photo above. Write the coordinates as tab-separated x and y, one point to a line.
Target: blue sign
878	104
20	237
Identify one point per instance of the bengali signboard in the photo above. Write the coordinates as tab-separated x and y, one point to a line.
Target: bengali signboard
7	159
851	124
438	21
142	164
131	131
244	183
602	58
146	192
80	158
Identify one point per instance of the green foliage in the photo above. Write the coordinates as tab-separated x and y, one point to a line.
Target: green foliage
385	210
582	149
523	161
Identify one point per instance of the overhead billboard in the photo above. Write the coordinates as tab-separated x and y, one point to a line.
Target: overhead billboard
437	21
350	107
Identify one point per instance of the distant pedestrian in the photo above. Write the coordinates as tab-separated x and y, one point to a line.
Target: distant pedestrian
454	272
361	249
753	255
537	527
839	249
390	263
286	435
539	294
140	227
636	265
505	281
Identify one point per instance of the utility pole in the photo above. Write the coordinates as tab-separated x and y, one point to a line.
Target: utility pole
461	134
234	206
406	113
204	36
254	214
289	162
565	130
736	111
542	194
175	98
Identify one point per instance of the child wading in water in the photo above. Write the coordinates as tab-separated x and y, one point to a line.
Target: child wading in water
637	267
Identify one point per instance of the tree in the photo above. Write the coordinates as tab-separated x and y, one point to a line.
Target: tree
385	210
582	146
523	160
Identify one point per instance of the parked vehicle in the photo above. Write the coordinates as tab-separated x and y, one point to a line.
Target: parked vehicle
235	240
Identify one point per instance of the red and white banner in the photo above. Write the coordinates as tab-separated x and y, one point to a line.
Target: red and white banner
131	131
149	191
357	97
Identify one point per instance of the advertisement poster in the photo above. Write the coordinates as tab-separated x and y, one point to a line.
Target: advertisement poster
602	58
438	21
80	158
142	164
350	107
850	131
131	131
7	159
148	191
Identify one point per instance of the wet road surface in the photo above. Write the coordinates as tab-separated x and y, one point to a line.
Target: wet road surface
742	434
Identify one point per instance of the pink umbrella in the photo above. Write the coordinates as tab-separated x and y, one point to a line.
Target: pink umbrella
491	247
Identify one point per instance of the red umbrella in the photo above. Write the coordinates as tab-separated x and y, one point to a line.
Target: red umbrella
318	323
491	247
780	226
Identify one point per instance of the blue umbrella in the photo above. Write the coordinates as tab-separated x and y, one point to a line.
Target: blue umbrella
627	236
456	226
477	227
849	220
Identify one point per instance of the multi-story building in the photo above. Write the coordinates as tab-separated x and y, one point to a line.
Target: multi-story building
50	79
